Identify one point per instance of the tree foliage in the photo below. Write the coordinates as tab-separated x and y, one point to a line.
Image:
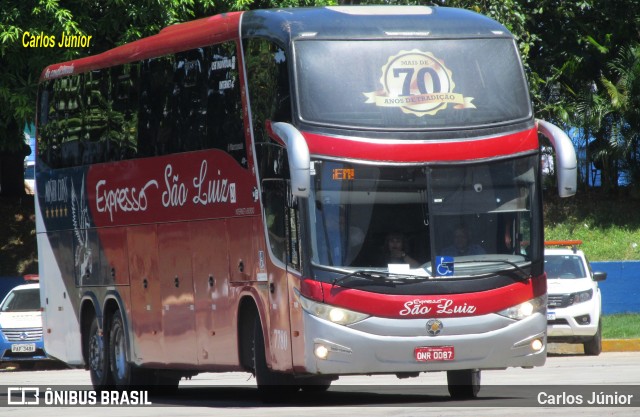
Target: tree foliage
581	57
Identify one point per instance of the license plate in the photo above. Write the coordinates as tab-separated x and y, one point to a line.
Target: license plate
23	347
434	353
551	315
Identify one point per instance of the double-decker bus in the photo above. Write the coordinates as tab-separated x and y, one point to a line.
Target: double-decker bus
290	193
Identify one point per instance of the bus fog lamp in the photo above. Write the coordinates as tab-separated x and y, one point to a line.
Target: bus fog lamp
536	345
321	351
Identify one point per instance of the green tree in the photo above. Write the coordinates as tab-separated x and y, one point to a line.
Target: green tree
623	91
571	51
571	72
110	23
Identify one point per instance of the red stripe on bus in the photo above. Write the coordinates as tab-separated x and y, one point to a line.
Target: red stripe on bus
176	38
425	306
422	151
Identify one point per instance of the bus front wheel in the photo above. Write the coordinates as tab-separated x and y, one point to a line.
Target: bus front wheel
463	384
272	386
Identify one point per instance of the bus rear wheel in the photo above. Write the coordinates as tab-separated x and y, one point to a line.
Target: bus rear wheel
463	384
98	356
120	368
125	374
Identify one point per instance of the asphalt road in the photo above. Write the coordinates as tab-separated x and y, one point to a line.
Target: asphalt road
559	386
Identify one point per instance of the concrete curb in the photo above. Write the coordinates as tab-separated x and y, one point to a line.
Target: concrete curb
608	345
621	345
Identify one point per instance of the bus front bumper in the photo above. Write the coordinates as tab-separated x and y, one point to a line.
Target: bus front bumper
352	351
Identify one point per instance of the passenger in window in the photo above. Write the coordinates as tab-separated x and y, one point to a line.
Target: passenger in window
462	245
396	246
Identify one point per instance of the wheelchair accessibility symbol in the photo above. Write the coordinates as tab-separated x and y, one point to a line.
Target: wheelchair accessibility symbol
444	266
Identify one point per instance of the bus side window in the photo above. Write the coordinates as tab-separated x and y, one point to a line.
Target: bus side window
189	97
71	120
122	142
95	117
155	124
273	198
282	221
46	122
292	230
268	82
223	103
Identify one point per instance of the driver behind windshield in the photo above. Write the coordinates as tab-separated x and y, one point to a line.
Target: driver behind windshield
462	245
395	250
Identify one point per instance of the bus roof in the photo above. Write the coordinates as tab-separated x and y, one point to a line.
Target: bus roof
370	22
283	25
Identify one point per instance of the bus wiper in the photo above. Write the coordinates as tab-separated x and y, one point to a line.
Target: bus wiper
389	278
524	274
378	276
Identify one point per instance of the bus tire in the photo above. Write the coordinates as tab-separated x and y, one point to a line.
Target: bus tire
98	356
463	384
272	386
166	382
124	373
315	384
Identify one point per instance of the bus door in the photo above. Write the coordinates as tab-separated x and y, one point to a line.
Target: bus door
274	195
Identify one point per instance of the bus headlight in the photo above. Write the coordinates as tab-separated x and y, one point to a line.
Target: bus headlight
526	309
330	313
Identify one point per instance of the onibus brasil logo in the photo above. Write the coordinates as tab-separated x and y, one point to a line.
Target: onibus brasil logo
418	83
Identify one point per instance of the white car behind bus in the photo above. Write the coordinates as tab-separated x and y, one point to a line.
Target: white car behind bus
21	327
574	300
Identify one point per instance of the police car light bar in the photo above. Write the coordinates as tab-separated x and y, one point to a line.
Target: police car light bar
562	242
573	243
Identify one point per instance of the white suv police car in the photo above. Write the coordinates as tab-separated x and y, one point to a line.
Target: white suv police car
574	302
21	338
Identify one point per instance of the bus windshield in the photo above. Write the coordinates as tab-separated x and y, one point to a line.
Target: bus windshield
410	84
438	221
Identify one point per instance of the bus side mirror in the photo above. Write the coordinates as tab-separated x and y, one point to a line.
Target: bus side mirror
298	155
566	162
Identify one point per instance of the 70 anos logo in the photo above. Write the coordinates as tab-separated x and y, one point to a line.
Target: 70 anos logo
418	83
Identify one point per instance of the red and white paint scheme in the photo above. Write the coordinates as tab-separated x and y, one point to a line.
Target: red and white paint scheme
296	193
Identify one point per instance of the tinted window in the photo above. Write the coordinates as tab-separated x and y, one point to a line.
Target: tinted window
225	122
156	107
416	84
268	82
177	103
